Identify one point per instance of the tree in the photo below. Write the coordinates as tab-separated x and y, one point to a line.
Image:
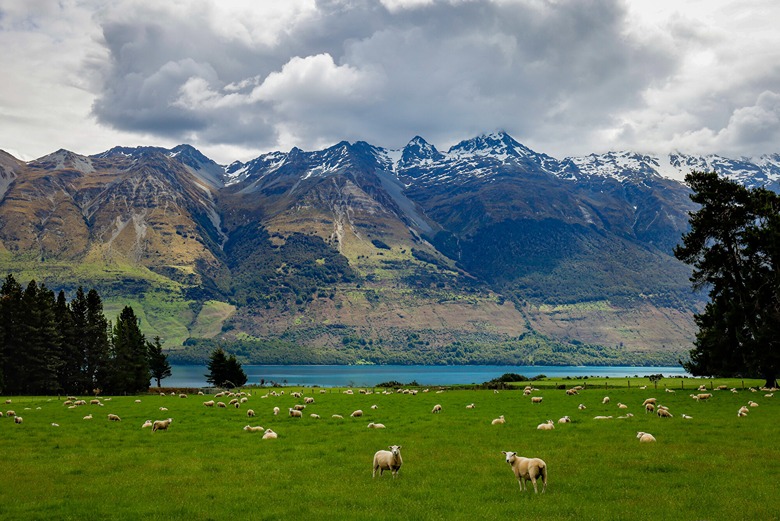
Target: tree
96	347
69	372
224	370
129	362
734	248
10	333
158	361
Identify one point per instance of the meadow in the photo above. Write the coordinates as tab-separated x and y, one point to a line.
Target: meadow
713	466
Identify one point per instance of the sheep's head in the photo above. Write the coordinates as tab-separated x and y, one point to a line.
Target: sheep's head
395	449
510	456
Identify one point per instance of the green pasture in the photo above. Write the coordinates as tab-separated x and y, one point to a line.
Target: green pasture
715	466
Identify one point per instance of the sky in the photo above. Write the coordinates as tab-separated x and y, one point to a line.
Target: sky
237	78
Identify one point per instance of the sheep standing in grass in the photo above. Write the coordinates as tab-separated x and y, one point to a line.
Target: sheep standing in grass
294	413
315	416
645	437
161	425
664	413
536	399
605	400
357	414
581	407
436	408
527	469
498	421
387	460
209	403
743	411
18	419
250	413
276	411
114	418
649	408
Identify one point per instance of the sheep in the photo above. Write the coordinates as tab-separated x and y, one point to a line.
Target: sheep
470	406
244	399
249	428
299	407
436	408
67	403
94	402
703	396
527	392
702	387
686	417
10	413
55	424
294	413
605	400
387	460
622	406
237	405
565	419
602	417
276	411
200	393
270	435
18	419
323	391
571	392
498	421
308	399
743	411
87	417
137	401
669	390
315	416
250	413
374	407
233	401
8	401
161	425
769	395
373	425
357	414
337	416
209	403
163	409
625	416
295	394
645	437
527	469
649	400
221	404
114	418
664	413
182	395
752	403
536	399
581	407
649	408
547	426
147	423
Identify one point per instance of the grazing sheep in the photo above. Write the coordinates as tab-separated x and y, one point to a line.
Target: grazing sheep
649	408
605	400
436	408
743	411
114	418
498	421
221	404
315	416
161	425
276	411
527	469
581	407
8	401
147	423
182	395
94	402
374	407
565	419
387	460
18	419
209	403
250	413
244	399
137	401
299	407
547	426
67	403
376	425
703	396
357	414
253	429
649	400
571	392
308	399
337	416
10	413
645	437
622	406
602	417
270	435
722	387
200	393
323	391
536	399
295	394
664	413
233	401
470	406
752	404
237	405
87	417
294	413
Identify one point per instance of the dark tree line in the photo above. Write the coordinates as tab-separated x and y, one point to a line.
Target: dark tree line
734	248
51	346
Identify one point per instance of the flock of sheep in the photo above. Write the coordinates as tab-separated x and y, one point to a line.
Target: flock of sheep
525	469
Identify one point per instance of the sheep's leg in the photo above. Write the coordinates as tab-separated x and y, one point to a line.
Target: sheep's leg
533	480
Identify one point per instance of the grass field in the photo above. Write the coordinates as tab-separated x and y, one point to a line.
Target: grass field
715	466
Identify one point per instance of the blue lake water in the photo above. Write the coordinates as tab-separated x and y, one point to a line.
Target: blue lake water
371	375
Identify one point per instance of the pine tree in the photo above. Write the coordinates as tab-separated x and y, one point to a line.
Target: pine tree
158	361
234	374
96	344
69	374
217	367
129	361
11	313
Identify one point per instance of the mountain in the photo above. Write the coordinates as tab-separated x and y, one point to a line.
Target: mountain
489	252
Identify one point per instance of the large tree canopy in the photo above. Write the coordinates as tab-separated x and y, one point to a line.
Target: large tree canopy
734	248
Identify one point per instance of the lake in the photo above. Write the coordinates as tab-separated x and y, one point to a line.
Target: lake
371	375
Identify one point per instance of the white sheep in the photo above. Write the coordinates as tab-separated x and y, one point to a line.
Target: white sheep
18	419
270	435
436	408
337	416
374	407
565	419
527	469
649	400
308	399
162	425
356	414
536	399
373	425
299	407
664	413
605	400
250	413
581	407
649	408
387	460
55	424
751	403
182	395
163	409
498	421
276	411
114	418
294	413
645	437
209	403
88	417
315	416
625	416
743	411
547	426
622	406
221	404
470	406
147	423
686	417
769	395
94	402
669	390
137	401
249	428
602	417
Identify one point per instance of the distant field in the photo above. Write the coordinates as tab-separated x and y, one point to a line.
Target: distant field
714	466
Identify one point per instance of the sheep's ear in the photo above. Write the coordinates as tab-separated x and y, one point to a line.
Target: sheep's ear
504	452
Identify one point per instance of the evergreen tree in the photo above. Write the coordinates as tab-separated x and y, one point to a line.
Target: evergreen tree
234	374
217	367
39	359
83	380
158	361
10	324
96	345
69	374
734	247
129	363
